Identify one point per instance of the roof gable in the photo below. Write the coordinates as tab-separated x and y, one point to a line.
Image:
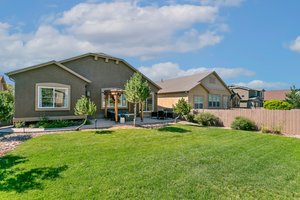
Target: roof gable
47	64
186	83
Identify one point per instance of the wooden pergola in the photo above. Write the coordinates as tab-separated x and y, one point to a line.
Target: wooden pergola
114	93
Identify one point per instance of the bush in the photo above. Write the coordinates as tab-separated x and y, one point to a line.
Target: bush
182	107
243	123
190	117
19	124
206	119
277	105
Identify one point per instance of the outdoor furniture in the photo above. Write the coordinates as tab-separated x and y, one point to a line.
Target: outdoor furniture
161	114
128	117
153	114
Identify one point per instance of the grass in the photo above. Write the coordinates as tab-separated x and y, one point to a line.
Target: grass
176	162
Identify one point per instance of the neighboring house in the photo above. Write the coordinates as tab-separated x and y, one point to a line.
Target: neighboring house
52	89
276	94
3	85
203	90
235	100
250	98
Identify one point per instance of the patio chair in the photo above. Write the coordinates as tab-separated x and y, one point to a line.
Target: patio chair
160	114
153	114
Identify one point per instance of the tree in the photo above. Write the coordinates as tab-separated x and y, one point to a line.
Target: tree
293	97
144	93
182	108
277	105
137	91
84	107
7	104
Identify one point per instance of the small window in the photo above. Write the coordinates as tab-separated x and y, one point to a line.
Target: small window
214	101
149	103
198	102
53	97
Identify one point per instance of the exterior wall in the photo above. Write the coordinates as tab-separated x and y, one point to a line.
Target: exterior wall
198	91
104	75
25	91
170	99
243	93
216	87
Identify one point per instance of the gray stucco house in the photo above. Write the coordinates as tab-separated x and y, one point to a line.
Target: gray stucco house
52	89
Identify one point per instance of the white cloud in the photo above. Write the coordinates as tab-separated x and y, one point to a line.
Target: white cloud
295	45
120	28
221	2
172	70
259	84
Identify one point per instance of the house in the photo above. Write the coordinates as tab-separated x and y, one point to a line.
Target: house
235	99
250	98
203	90
276	94
3	85
52	89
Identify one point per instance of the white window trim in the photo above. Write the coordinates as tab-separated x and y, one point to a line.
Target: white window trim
108	106
220	101
194	101
53	86
152	109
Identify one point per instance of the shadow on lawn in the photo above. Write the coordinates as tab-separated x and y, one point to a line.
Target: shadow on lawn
104	132
20	180
173	129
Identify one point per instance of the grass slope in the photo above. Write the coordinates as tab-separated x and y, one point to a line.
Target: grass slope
176	162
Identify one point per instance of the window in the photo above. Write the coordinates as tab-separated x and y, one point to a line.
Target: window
149	103
53	97
111	104
198	102
214	101
226	102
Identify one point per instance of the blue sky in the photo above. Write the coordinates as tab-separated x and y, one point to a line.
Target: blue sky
249	42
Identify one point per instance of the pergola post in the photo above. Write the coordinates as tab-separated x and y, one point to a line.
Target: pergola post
116	97
105	104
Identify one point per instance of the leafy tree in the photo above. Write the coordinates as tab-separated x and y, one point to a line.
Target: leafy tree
84	107
293	97
137	91
7	104
143	95
182	108
277	105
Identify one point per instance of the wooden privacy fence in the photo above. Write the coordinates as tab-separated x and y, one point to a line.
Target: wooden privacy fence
287	120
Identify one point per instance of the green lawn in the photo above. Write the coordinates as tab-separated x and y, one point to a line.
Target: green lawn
176	162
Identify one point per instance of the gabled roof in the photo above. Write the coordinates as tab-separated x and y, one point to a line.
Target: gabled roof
275	94
242	87
47	64
103	55
185	83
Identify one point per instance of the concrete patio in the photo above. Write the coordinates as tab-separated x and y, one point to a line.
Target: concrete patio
100	124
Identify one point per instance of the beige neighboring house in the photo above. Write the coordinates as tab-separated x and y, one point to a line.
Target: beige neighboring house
3	85
276	94
203	90
250	98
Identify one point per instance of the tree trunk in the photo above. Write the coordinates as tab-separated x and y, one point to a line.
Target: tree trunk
81	125
142	112
134	118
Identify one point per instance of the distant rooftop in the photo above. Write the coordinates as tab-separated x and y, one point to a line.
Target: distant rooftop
242	87
275	94
182	84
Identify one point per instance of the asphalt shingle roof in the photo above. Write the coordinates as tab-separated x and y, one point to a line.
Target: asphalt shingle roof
182	84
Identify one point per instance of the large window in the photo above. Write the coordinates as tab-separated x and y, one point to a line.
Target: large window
122	102
214	101
53	97
198	102
149	103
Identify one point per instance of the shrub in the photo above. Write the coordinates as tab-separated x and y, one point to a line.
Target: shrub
277	105
182	107
243	123
19	124
206	119
190	117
